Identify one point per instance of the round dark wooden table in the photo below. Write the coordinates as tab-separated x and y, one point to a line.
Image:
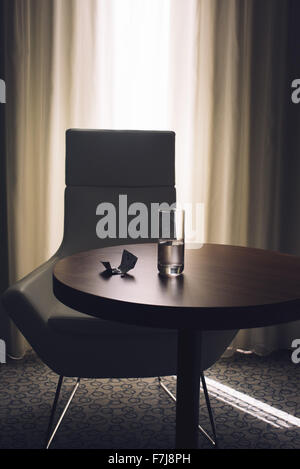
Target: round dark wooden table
222	287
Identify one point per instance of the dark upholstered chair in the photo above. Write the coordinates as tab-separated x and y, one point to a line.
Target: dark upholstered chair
101	165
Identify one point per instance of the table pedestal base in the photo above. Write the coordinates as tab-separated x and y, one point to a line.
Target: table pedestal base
188	388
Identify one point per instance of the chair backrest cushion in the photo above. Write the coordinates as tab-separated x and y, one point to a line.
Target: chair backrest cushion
120	168
126	158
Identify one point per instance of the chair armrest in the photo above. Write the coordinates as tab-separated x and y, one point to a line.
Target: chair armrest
32	295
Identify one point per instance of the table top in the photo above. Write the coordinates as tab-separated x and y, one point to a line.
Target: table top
222	287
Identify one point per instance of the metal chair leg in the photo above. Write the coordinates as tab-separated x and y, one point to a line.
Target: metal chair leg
211	417
210	411
50	435
57	393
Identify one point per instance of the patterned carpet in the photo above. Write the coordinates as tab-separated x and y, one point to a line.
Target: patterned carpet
137	413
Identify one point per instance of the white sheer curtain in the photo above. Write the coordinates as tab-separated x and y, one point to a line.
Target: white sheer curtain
132	65
203	68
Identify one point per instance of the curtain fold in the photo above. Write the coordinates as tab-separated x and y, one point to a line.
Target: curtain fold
212	70
50	87
243	158
28	64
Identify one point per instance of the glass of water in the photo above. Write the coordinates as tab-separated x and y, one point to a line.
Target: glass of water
170	256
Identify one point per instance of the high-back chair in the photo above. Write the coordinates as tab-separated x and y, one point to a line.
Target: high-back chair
101	165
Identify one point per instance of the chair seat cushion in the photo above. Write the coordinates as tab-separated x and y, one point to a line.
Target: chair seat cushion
69	321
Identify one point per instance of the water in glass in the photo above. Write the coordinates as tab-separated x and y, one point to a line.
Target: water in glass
171	257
